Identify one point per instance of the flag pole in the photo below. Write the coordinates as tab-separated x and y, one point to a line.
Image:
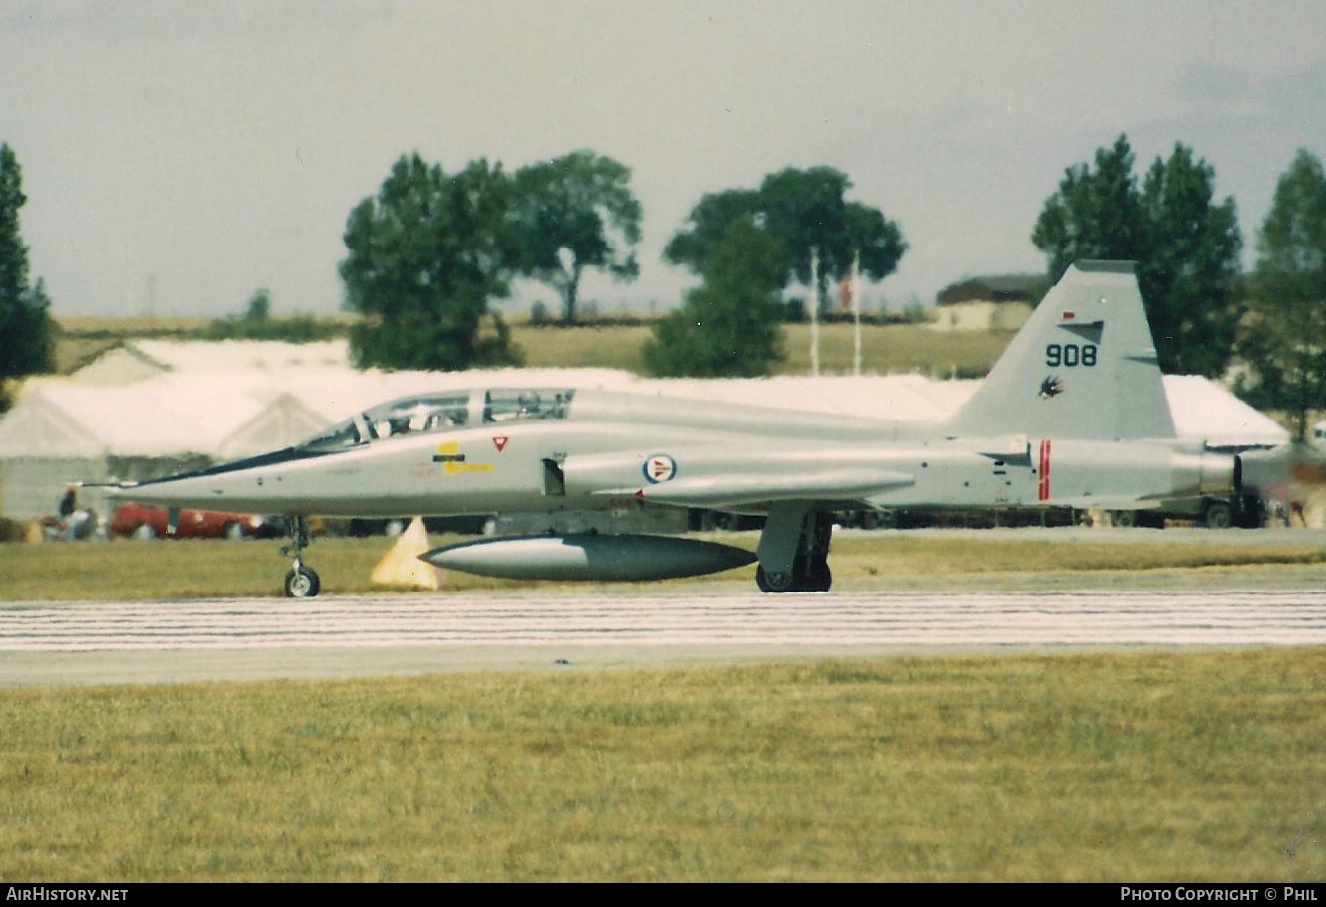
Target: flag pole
856	314
814	304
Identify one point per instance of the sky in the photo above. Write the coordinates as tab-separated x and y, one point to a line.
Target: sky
179	156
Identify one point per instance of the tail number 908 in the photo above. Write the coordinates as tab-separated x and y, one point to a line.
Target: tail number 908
1070	355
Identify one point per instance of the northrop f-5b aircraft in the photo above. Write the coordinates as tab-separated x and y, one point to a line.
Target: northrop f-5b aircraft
1073	414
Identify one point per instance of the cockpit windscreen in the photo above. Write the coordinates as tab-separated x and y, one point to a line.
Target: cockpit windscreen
391	420
438	412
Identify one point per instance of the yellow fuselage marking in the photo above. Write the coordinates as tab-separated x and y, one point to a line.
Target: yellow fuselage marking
453	460
452	469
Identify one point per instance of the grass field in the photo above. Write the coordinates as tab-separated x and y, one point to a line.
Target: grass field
885	348
1133	767
129	570
131	325
1110	767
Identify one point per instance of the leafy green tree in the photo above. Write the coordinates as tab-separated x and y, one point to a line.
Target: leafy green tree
1186	246
803	210
1284	340
1095	214
573	213
1194	265
730	326
708	223
426	256
26	331
806	209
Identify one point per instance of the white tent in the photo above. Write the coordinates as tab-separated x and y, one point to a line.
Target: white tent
141	360
61	434
1203	410
284	420
898	397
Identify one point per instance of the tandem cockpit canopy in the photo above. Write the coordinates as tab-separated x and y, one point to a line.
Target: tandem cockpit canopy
439	412
507	405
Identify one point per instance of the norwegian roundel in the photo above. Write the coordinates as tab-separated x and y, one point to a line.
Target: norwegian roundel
659	468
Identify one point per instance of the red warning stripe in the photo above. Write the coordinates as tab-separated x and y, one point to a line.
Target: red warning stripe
1043	493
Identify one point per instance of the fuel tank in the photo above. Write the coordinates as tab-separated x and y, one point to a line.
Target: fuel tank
590	558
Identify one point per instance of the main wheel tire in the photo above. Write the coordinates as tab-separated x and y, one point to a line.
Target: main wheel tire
772	582
302	582
821	578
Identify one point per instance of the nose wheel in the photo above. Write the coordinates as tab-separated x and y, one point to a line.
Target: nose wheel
302	581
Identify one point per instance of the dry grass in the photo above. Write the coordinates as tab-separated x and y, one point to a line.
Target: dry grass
885	348
130	326
883	555
888	348
608	347
128	570
895	348
1145	767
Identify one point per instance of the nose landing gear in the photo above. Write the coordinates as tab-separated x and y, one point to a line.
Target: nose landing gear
301	581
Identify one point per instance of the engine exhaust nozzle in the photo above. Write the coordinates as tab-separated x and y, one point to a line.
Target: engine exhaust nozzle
1206	473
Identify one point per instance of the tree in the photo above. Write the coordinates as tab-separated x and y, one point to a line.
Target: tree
1284	341
257	323
1193	267
1094	214
573	213
26	332
259	309
709	220
803	210
1187	247
730	326
426	255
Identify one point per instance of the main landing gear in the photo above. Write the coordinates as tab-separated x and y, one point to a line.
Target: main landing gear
301	581
794	550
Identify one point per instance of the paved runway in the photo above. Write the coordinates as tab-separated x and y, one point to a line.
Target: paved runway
42	643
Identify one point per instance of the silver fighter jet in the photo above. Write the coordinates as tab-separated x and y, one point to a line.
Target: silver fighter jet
1073	414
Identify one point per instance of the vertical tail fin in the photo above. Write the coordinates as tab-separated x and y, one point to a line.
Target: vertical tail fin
1084	366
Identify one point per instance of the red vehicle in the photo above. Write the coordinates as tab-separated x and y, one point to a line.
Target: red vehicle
138	521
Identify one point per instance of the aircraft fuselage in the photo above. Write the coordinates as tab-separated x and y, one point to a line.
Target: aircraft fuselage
552	466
